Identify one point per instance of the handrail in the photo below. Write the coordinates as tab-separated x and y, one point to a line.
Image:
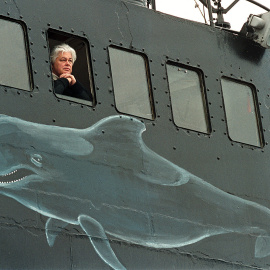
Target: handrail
259	5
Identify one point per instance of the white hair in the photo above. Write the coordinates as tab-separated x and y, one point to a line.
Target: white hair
62	48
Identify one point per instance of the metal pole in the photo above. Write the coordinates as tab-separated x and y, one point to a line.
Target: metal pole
230	6
209	6
154	4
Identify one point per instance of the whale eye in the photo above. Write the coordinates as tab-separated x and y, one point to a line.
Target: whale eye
37	160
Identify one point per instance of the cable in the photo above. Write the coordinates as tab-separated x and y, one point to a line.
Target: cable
197	6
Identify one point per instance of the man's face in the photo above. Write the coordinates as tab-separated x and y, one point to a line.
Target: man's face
62	64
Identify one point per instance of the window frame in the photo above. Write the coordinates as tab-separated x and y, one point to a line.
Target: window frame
203	94
27	54
91	87
148	80
256	109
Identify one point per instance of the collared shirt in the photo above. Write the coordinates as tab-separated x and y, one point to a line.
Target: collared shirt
55	77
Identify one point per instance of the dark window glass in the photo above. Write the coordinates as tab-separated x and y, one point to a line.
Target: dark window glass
81	68
14	71
241	112
131	83
187	98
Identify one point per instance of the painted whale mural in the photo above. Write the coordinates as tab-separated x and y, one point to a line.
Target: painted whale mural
107	181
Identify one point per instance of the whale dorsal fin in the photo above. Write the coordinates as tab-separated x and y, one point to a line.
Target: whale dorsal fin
116	135
117	142
113	128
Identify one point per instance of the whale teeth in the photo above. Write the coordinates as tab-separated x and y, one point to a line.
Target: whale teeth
11	173
14	176
13	181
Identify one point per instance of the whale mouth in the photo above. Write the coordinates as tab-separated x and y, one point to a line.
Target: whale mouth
15	176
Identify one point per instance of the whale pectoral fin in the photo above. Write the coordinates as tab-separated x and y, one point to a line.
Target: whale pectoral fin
99	240
262	246
53	227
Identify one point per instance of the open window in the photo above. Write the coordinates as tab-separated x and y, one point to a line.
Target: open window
241	112
188	98
14	64
81	68
131	83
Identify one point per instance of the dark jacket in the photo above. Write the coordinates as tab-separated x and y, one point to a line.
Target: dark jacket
61	86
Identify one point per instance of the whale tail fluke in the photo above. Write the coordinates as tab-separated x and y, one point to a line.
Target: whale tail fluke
262	246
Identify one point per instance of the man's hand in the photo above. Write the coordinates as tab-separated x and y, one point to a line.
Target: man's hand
71	79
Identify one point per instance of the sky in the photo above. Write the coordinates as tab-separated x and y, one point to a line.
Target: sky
237	16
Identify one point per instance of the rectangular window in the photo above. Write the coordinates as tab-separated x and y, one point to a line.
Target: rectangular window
188	98
14	70
81	92
131	83
241	112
